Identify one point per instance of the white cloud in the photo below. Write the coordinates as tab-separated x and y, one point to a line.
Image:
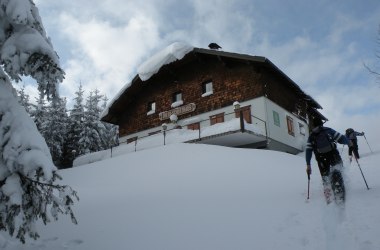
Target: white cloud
103	43
357	106
108	40
330	69
104	55
225	22
343	25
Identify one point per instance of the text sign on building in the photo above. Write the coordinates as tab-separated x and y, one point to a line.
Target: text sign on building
177	111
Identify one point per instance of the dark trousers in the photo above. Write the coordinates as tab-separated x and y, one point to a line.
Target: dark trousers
354	148
326	161
331	176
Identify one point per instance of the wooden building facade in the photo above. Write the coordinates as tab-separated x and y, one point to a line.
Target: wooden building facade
208	87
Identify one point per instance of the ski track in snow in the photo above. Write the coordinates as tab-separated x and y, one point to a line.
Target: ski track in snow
291	222
338	236
343	227
344	231
346	228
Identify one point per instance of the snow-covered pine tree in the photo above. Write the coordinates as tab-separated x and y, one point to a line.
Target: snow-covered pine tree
39	111
28	188
92	139
54	129
76	127
23	99
112	131
86	132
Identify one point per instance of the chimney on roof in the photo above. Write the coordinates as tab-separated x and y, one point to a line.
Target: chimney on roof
214	46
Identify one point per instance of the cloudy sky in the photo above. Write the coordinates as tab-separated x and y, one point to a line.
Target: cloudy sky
321	45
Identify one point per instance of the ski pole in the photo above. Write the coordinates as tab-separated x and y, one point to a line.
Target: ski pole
361	171
368	144
308	185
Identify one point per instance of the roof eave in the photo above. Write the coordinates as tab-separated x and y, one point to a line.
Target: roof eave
259	59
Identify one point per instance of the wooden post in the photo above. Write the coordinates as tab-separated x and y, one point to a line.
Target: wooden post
242	121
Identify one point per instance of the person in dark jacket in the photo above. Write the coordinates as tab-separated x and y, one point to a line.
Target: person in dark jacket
328	156
353	142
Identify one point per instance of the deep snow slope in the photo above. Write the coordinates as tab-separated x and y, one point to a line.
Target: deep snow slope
186	196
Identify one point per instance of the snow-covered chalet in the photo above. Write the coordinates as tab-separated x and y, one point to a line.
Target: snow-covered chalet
213	97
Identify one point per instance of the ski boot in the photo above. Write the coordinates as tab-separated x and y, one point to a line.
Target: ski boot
327	193
337	185
326	189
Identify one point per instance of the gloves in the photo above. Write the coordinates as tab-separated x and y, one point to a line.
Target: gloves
363	133
308	170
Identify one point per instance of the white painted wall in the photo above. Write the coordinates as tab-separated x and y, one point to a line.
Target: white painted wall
261	108
280	133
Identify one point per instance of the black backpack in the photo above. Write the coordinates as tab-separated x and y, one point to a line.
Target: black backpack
350	134
349	131
322	142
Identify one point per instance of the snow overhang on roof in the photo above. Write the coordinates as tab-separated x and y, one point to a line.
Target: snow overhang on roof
173	52
177	51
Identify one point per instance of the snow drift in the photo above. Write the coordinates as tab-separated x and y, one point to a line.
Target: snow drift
186	196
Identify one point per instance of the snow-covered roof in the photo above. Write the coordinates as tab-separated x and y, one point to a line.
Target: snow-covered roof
173	52
177	51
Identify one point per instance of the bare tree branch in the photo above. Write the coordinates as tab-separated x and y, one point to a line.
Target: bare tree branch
371	70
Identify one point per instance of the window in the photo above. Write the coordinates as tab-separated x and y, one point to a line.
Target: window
207	89
151	108
216	118
177	96
302	129
193	126
246	111
289	121
177	100
276	118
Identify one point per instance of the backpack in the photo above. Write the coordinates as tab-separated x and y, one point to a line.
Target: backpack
350	134
322	142
349	131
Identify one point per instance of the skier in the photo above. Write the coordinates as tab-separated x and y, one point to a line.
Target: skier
353	142
322	141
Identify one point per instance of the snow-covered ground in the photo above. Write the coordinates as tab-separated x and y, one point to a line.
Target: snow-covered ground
190	196
172	136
